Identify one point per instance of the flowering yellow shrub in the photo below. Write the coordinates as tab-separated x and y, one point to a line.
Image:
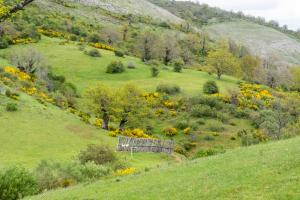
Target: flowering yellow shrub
159	112
187	131
102	46
45	97
135	133
127	171
98	123
170	104
173	113
29	91
51	33
252	96
170	131
23	41
20	75
224	98
3	9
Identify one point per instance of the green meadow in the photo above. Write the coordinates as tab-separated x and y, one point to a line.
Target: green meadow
268	171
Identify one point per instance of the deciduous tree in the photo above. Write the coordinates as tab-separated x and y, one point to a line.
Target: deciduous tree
223	62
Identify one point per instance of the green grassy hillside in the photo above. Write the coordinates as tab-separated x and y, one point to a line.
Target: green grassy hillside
261	40
260	172
85	71
36	132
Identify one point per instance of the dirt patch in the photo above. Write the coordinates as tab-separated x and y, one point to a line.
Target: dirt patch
79	131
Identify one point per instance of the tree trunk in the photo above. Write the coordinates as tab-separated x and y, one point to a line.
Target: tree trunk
167	58
105	121
122	124
219	76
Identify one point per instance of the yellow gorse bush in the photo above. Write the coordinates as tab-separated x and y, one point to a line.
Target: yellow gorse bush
127	171
29	91
187	131
224	98
51	33
253	96
20	75
98	123
170	104
134	133
23	41
170	131
102	46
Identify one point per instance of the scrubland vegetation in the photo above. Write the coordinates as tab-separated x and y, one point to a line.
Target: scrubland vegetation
69	88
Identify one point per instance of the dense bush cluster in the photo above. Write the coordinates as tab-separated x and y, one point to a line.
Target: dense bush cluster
210	87
98	154
115	68
16	183
169	89
94	53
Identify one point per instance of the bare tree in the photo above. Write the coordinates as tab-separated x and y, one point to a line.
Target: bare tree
28	60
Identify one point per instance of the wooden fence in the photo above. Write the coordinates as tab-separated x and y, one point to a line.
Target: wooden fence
145	145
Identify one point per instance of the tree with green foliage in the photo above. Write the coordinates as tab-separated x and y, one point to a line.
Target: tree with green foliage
249	65
102	102
131	105
223	62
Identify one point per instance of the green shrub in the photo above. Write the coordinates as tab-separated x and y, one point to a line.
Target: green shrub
54	175
189	146
210	101
182	125
115	67
201	122
168	89
94	53
215	126
241	113
223	117
94	38
164	25
179	150
3	43
209	138
119	53
203	111
98	154
210	87
154	71
16	183
11	107
178	65
248	138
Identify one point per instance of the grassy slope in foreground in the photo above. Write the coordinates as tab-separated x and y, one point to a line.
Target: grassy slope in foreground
261	40
270	171
85	71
